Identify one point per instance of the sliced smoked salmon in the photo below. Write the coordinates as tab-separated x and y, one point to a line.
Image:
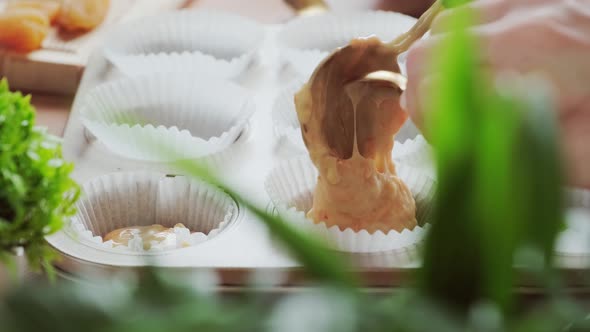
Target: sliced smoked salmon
23	29
82	15
48	7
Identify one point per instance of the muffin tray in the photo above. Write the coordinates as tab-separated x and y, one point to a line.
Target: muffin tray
241	249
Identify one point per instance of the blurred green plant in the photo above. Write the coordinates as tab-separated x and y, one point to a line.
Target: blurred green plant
320	262
499	178
36	192
157	303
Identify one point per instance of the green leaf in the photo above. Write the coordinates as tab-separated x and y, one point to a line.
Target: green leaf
37	193
454	3
316	257
499	178
540	139
452	270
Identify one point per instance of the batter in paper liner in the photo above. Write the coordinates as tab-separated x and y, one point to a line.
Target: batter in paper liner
348	126
151	237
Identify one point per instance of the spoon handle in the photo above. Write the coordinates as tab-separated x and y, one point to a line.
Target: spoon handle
404	41
307	7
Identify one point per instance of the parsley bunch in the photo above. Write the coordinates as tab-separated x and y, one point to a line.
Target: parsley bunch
36	191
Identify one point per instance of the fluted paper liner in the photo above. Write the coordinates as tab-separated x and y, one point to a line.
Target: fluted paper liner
167	116
284	117
578	197
415	153
198	40
307	40
292	183
127	199
573	241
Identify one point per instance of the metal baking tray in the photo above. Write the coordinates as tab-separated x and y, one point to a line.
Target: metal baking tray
247	248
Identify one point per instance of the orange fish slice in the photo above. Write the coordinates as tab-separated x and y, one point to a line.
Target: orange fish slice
48	7
23	29
82	15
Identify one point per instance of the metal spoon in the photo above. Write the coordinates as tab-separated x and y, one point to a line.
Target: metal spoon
364	60
397	46
308	7
396	80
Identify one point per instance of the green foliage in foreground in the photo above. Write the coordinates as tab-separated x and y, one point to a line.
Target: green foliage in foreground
499	178
160	302
36	194
320	263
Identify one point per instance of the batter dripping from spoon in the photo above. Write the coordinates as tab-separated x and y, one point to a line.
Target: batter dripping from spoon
348	126
348	123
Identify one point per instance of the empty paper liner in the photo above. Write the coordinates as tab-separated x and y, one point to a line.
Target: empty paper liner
167	116
205	41
307	40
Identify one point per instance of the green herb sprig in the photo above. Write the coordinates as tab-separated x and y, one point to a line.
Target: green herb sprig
36	191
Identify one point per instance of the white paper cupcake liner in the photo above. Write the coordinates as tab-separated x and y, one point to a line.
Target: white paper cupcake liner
415	153
306	41
291	184
577	197
199	40
284	117
574	241
167	116
134	65
121	200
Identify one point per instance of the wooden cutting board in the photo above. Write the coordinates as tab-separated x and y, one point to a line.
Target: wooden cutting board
57	67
